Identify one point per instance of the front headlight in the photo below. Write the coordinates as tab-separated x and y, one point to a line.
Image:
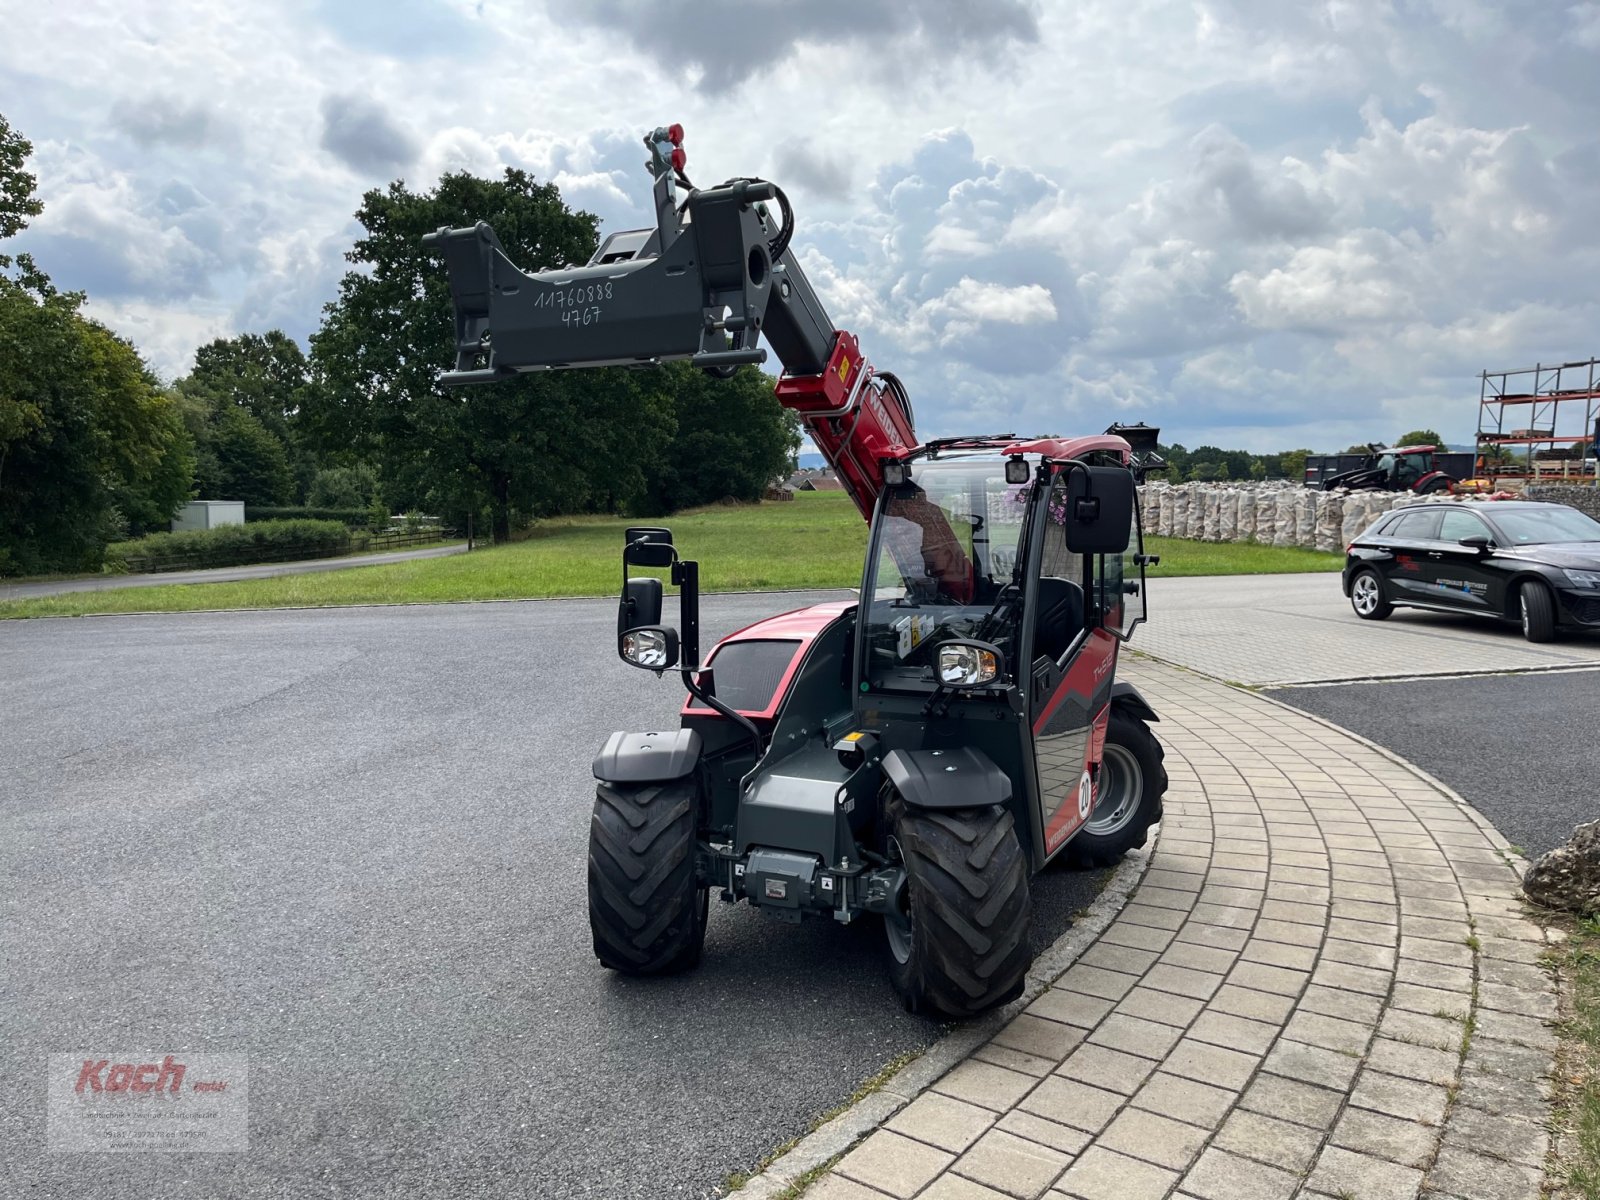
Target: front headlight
1584	578
967	666
647	648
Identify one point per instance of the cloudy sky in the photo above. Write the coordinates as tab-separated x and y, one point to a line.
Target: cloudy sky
1256	223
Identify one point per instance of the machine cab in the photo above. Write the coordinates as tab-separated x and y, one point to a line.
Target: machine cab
1039	577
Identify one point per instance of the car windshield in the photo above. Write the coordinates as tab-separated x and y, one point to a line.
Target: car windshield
1539	526
946	544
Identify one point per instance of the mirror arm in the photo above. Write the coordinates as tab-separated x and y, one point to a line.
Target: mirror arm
709	699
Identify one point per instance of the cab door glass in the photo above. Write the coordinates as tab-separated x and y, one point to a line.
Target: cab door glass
1119	580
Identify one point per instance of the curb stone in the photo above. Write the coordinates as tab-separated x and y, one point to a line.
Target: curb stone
831	1139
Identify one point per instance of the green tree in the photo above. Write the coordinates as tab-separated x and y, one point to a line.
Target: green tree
343	487
538	444
242	460
1292	463
17	201
1421	437
90	444
733	439
246	387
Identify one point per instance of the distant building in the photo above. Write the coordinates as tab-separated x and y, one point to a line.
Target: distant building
208	514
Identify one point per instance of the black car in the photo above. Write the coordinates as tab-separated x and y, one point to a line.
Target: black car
1512	560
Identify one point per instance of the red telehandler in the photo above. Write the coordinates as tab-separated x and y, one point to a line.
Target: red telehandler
916	754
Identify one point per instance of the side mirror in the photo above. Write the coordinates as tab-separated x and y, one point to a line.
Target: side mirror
648	546
654	648
1098	517
1478	542
964	664
640	605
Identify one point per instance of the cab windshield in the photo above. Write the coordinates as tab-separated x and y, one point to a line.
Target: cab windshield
945	547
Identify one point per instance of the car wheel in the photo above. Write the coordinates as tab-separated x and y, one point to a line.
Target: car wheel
1538	612
1367	598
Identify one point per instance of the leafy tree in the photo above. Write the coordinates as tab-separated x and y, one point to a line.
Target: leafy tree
1421	437
538	444
343	487
240	459
17	201
1292	463
243	388
733	440
89	443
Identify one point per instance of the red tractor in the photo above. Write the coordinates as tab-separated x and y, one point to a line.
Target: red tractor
1382	468
915	754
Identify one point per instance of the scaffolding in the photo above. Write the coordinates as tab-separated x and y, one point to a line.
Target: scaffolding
1551	411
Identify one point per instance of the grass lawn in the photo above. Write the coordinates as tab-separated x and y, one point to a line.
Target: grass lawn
1578	1107
816	541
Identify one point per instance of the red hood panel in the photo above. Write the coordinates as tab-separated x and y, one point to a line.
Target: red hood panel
801	623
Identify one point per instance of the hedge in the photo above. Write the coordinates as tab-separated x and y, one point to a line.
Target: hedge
234	545
355	518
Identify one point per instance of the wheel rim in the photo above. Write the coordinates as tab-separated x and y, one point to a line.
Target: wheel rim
1522	603
897	922
1117	797
1364	594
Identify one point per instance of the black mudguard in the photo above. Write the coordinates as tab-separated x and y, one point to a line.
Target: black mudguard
1127	697
648	757
958	778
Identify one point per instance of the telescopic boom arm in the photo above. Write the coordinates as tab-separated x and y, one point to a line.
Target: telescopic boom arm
714	276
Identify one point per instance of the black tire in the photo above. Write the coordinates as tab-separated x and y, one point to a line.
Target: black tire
1133	780
647	911
1370	605
1437	484
1538	612
960	944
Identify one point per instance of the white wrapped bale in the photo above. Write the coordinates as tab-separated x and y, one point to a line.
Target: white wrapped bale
1244	515
1194	529
1178	524
1161	495
1228	516
1284	525
1305	517
1355	518
1266	504
1209	507
1330	522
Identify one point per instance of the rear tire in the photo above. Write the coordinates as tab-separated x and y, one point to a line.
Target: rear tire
1538	612
959	943
647	911
1367	598
1438	484
1133	780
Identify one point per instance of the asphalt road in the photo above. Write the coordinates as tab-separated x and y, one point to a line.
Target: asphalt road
350	844
1524	750
309	566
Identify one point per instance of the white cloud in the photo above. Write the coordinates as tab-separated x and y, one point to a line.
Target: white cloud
1250	222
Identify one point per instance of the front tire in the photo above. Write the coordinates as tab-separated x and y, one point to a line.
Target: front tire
1128	796
647	910
958	939
1367	598
1538	612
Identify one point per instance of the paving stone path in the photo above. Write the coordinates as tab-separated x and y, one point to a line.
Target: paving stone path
1323	987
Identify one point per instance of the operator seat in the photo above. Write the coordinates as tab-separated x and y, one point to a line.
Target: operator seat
1058	617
